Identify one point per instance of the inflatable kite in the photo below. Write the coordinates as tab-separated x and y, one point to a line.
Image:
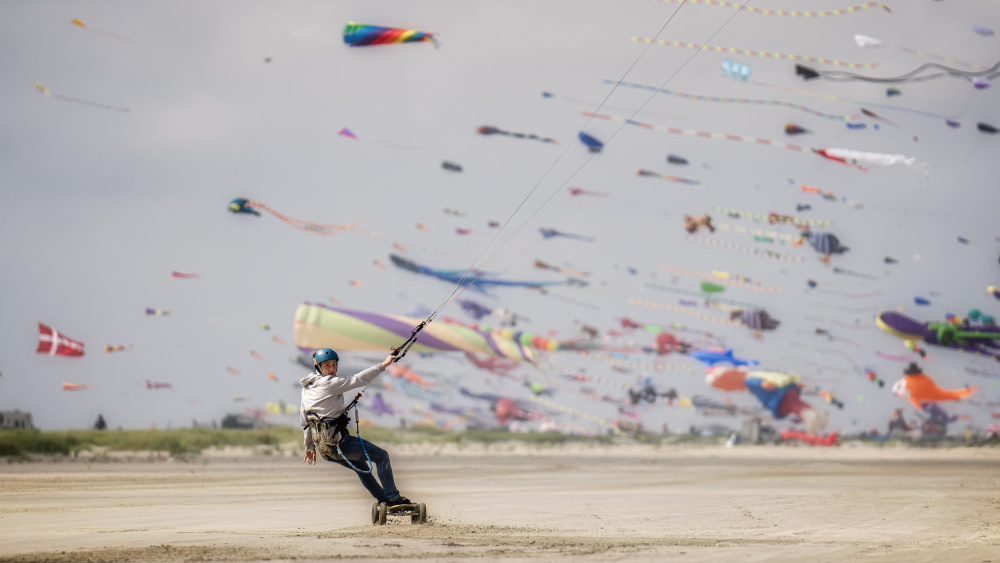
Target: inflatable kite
757	320
692	224
777	391
825	244
379	405
712	356
54	344
74	387
590	142
726	378
361	35
321	326
980	339
918	388
477	280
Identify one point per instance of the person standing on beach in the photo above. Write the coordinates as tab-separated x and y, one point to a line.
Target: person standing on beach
323	418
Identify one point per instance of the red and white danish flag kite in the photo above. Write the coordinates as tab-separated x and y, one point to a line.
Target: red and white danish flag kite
54	344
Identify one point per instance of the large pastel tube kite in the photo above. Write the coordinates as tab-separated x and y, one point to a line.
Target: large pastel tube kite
361	35
321	326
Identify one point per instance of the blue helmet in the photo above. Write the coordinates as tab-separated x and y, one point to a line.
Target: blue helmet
324	354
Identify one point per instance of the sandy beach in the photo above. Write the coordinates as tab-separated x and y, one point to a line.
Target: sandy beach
514	502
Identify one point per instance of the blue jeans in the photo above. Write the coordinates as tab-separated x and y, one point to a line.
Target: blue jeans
350	446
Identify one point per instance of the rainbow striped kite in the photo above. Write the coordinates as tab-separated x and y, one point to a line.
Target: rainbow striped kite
361	35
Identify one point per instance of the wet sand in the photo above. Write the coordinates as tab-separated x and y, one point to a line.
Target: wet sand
516	503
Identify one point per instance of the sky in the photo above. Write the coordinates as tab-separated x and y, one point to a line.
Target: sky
101	204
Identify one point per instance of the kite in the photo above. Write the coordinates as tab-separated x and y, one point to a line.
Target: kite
235	371
952	123
491	130
731	101
158	385
407	375
921	301
726	378
719	136
345	132
256	355
379	405
156	312
760	253
498	366
82	25
890	92
866	42
641	172
240	205
742	71
692	224
855	274
844	99
757	320
982	339
361	35
912	347
982	30
793	129
828	397
448	165
853	157
321	326
183	275
75	387
811	439
108	348
581	191
987	128
568	271
674	159
590	142
914	75
917	387
773	217
825	244
712	356
709	287
477	280
856	125
777	391
272	377
875	116
725	277
730	69
550	233
768	12
994	291
874	378
280	407
38	86
54	344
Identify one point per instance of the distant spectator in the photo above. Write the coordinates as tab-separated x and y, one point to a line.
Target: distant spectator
100	424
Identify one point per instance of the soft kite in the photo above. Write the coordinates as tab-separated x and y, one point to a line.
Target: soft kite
151	312
712	356
379	405
965	336
793	129
183	275
726	378
158	385
692	224
777	391
568	271
361	35
477	280
709	287
321	326
108	348
240	205
407	375
54	344
590	142
757	320
917	387
825	244
448	165
987	128
75	387
235	371
642	172
674	159
491	130
550	233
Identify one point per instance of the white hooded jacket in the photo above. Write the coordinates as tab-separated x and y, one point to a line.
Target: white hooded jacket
323	395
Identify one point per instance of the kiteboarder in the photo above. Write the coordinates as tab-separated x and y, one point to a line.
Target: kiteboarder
324	420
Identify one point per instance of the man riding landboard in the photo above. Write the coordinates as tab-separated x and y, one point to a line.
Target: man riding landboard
324	420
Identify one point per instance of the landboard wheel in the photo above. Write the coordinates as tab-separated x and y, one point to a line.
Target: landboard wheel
383	509
421	516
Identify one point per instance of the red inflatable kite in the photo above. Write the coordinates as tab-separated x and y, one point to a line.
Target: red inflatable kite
917	387
54	344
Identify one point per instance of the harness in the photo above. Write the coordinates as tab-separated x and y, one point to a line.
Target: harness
328	432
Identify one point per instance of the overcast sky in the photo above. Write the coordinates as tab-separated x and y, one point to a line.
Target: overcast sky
100	205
